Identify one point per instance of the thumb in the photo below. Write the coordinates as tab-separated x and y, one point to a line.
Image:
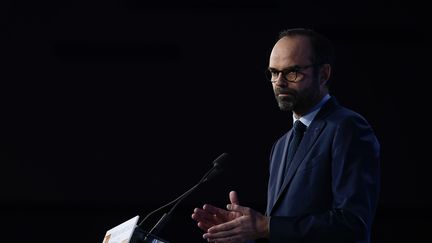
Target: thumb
240	209
234	197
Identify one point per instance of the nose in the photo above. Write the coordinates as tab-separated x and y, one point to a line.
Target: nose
280	81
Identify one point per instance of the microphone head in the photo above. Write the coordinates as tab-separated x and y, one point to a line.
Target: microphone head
217	167
221	160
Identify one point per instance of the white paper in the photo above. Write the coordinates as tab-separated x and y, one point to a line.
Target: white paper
122	233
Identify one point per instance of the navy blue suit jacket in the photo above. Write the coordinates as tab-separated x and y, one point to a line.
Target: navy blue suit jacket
330	192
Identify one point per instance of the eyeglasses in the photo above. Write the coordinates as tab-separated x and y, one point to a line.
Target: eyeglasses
292	74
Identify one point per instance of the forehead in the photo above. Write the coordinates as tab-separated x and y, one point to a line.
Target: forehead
290	51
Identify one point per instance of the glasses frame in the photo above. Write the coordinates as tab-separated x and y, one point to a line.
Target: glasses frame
294	70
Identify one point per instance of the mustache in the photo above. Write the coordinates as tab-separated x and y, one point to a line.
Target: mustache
279	91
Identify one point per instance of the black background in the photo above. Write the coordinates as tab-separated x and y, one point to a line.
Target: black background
110	109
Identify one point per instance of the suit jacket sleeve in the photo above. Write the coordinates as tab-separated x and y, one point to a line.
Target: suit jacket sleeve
355	186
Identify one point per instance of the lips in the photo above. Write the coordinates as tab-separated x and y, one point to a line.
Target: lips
284	93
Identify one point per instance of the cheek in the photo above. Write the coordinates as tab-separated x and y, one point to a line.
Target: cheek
308	88
304	86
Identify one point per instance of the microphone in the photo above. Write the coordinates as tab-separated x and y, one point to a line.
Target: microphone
214	171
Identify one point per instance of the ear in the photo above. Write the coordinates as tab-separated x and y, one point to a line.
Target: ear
325	72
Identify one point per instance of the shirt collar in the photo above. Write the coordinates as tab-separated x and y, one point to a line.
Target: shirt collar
308	117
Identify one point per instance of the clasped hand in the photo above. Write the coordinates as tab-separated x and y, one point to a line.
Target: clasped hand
236	224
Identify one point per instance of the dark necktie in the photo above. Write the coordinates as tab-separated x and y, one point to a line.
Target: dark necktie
298	131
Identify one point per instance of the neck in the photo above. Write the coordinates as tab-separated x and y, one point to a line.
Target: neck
301	112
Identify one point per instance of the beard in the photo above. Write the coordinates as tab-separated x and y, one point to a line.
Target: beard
286	102
299	101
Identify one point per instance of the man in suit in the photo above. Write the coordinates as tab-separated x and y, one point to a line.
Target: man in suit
326	188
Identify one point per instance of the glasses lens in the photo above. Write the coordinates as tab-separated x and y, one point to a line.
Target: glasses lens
291	76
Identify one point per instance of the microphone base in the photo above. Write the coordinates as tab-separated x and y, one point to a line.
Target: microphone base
141	236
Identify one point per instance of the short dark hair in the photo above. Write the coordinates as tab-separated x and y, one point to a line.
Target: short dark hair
322	47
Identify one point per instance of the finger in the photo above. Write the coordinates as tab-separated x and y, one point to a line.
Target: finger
223	227
204	226
230	239
215	210
196	217
207	218
202	214
219	235
240	209
222	236
210	220
234	197
221	239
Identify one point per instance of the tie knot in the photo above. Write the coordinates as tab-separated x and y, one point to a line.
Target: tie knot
299	127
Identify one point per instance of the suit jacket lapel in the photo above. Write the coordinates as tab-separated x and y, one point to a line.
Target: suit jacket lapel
307	142
276	173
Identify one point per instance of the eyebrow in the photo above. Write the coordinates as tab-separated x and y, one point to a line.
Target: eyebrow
285	69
